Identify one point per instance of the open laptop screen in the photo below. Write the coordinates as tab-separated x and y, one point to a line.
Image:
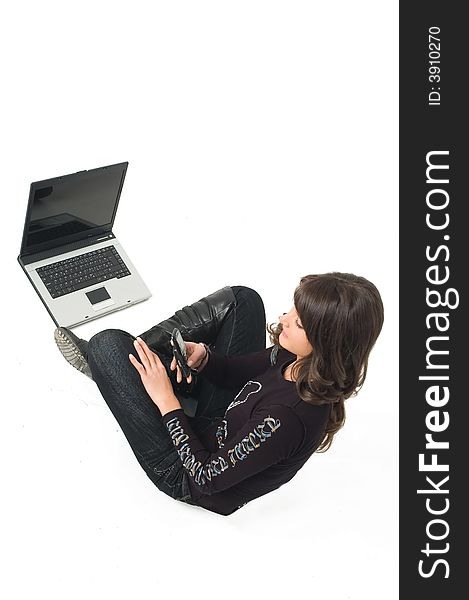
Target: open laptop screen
72	207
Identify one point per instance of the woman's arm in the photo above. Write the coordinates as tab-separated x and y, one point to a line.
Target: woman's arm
272	434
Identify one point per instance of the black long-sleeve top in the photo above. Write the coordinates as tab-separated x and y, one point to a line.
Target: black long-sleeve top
266	435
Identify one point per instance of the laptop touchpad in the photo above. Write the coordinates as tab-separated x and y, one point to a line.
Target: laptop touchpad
100	298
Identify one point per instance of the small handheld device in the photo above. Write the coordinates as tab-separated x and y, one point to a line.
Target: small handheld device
179	351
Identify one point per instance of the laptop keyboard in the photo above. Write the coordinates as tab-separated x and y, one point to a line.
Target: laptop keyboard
72	274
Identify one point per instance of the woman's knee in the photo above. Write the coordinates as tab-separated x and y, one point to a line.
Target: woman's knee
250	297
109	340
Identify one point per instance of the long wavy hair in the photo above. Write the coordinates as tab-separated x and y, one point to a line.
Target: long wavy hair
342	315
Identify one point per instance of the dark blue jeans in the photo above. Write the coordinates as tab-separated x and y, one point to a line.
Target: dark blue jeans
242	331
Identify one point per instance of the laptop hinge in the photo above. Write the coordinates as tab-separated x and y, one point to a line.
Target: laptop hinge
31	258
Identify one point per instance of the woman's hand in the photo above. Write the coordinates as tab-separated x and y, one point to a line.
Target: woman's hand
195	355
154	377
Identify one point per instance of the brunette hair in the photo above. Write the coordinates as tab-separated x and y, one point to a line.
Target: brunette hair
342	315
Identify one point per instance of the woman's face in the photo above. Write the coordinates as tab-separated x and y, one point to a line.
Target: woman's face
293	337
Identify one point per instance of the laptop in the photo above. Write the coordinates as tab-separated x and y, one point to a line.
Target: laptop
69	251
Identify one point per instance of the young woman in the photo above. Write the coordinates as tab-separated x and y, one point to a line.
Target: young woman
261	412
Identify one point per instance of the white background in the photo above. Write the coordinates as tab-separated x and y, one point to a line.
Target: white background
262	146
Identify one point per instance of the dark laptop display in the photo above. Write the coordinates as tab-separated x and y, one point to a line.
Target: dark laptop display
72	207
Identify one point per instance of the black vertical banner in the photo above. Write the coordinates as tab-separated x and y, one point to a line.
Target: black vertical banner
434	238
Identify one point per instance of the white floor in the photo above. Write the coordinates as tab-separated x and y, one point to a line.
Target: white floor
262	147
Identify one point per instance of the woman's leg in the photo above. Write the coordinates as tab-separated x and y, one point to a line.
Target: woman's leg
241	331
137	415
232	322
197	322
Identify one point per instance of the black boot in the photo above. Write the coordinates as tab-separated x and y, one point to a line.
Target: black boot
199	322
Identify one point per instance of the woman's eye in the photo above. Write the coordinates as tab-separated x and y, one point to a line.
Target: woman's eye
298	324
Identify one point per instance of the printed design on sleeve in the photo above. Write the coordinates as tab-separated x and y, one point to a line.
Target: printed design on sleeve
251	387
199	472
254	439
202	473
